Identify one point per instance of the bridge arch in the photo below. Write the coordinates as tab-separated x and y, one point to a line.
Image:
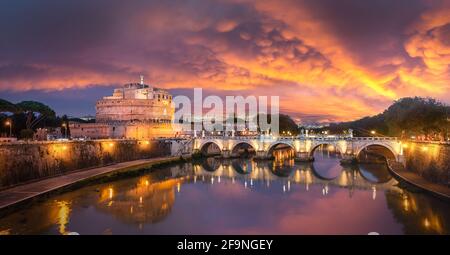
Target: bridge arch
272	146
236	145
317	145
389	148
206	144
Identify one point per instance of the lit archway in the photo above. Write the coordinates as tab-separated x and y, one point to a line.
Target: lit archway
375	153
245	149
281	151
210	149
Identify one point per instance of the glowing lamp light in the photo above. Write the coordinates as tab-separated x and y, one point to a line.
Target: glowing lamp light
373	132
424	148
111	144
405	145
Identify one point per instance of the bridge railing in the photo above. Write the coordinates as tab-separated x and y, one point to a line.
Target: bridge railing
381	138
430	142
317	138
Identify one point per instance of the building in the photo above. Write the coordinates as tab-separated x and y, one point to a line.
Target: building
135	110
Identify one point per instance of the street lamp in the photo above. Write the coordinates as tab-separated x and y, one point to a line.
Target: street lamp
373	132
65	129
9	123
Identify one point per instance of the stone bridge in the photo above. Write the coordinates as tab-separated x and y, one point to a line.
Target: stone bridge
303	146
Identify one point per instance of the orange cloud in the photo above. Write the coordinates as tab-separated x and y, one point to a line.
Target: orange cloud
300	50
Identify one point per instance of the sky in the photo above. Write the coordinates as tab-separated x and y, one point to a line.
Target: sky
328	60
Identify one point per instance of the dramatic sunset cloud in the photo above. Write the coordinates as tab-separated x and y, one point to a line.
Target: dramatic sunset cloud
327	60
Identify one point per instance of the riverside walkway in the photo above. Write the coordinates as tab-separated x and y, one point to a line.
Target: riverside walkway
418	181
25	192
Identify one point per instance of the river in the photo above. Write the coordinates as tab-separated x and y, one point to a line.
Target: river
240	196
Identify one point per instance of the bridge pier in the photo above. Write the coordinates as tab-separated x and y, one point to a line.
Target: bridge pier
303	157
348	159
261	154
226	153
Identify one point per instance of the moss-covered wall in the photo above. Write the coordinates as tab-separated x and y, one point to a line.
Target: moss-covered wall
24	162
431	161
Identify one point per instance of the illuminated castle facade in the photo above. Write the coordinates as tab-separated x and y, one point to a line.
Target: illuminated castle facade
135	110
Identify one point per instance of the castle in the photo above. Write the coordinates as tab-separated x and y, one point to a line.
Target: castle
135	111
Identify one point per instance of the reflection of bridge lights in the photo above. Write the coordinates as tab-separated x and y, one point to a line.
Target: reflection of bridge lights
289	185
406	204
284	188
307	187
178	187
374	192
212	180
426	223
140	200
111	193
195	178
245	184
325	190
232	180
218	179
297	177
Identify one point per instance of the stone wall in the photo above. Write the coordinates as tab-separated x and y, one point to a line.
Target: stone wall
432	161
30	161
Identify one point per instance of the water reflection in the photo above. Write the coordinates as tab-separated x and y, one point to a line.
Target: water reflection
240	196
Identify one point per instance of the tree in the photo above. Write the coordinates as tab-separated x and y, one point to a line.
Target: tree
32	107
6	106
286	123
405	117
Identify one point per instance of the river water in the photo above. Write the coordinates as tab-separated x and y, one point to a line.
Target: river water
240	196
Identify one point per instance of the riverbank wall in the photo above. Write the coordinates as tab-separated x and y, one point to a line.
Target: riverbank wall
429	160
25	162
